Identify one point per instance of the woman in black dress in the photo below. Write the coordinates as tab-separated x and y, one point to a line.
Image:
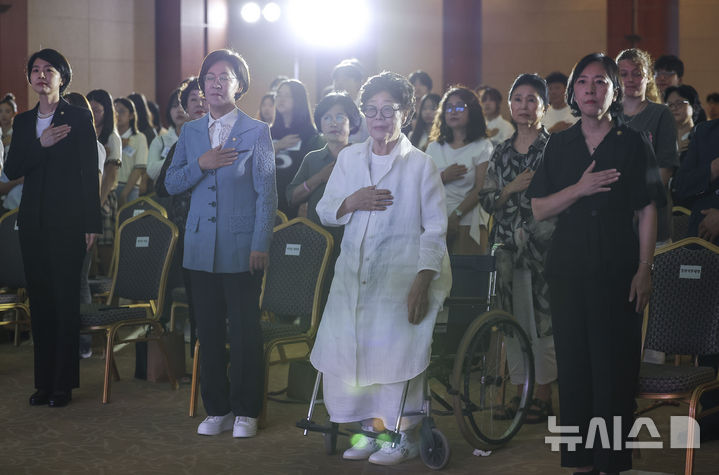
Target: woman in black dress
54	147
596	177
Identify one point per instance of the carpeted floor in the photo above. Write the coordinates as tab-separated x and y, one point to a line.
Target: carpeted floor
145	430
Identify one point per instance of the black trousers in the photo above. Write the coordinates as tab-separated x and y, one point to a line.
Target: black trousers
597	338
234	297
53	261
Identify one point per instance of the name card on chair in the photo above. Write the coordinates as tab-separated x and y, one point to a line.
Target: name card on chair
137	211
690	272
16	226
292	249
142	241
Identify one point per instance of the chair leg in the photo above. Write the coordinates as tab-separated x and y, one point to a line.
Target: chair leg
109	363
195	378
16	340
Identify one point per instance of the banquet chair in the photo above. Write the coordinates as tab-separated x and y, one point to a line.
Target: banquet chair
143	252
682	318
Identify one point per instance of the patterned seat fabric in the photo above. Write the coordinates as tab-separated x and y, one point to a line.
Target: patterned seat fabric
99	314
685	303
273	330
179	295
664	378
8	298
101	285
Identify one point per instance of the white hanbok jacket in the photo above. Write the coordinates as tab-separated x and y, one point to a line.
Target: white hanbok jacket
365	337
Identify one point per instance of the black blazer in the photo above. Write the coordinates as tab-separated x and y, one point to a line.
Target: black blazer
61	189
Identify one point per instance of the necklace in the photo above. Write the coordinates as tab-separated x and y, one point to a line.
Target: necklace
40	115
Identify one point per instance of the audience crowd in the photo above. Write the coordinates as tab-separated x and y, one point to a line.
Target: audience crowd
402	173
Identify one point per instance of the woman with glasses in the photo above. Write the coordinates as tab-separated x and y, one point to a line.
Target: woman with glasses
55	148
521	286
294	136
643	113
391	277
461	150
337	117
683	102
226	160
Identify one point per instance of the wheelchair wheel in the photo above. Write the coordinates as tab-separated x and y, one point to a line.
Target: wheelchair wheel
330	439
493	348
434	450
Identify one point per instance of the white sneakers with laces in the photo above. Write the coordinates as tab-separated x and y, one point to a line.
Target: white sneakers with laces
402	451
245	427
213	425
240	426
362	448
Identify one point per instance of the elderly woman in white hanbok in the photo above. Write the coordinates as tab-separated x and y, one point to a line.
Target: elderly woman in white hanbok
391	277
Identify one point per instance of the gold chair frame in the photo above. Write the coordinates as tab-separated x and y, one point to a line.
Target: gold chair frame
110	331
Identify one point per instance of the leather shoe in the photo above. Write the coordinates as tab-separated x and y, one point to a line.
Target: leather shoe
60	399
39	397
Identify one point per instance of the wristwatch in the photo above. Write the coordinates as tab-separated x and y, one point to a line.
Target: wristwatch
458	212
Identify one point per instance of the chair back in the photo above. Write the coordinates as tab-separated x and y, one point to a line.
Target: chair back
292	285
136	207
143	252
680	223
12	270
683	312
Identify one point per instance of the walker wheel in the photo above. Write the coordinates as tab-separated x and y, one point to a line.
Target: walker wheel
330	439
435	452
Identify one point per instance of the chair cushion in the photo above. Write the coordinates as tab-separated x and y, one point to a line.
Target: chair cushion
179	295
274	330
99	314
101	285
8	298
664	378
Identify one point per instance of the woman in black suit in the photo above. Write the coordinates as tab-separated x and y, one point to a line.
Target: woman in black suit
54	148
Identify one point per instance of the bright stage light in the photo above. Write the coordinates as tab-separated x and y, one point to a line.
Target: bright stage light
250	12
271	12
217	15
329	23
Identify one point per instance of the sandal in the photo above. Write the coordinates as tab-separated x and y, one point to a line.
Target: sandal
508	411
538	412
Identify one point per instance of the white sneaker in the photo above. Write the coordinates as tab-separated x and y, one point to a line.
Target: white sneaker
389	455
213	425
245	427
362	448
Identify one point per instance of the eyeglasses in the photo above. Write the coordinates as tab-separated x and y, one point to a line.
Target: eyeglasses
677	104
224	78
387	111
664	74
456	108
337	119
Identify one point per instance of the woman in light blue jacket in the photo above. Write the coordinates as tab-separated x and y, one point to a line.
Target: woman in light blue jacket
227	160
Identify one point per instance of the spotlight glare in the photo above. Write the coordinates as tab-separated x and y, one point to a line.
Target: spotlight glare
329	23
271	12
250	12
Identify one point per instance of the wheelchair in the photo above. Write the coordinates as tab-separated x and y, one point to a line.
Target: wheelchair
478	355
